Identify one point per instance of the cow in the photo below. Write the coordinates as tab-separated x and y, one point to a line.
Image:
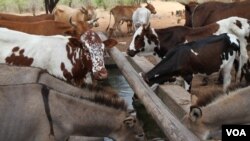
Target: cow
16	18
204	56
42	28
232	108
35	112
198	15
124	13
63	13
160	41
65	57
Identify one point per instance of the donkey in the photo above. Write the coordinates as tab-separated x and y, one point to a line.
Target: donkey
206	121
10	75
33	112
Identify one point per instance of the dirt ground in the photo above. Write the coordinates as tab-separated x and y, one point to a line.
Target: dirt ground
162	19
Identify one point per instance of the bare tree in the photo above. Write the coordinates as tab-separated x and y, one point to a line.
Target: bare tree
50	5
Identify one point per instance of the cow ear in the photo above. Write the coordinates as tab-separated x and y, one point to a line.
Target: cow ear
148	27
75	42
129	121
195	113
109	43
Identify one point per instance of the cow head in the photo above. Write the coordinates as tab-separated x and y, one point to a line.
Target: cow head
144	40
96	50
79	27
151	8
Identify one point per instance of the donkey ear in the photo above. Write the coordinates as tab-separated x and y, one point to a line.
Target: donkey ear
195	113
109	43
129	121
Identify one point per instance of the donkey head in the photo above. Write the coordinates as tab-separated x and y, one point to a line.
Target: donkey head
193	121
130	130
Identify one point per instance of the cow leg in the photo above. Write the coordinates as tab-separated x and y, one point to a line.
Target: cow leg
188	82
227	73
242	61
220	78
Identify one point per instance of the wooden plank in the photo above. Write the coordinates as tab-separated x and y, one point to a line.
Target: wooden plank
176	98
170	125
141	64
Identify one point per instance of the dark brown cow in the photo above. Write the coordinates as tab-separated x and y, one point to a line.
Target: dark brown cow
47	27
204	56
17	18
124	13
206	13
71	59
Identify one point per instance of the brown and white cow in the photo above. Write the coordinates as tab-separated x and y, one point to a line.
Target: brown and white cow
46	27
198	15
160	41
71	59
232	108
63	13
16	18
124	13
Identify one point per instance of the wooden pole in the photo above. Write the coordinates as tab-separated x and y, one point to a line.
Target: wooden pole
170	125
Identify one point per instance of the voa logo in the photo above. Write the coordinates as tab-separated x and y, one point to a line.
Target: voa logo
236	132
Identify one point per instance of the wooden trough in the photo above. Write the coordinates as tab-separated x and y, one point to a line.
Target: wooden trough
167	113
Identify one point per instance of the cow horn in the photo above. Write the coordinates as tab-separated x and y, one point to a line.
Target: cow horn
83	10
72	23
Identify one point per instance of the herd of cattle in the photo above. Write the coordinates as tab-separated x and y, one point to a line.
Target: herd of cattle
63	47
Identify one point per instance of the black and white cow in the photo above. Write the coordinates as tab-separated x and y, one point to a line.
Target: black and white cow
204	56
160	41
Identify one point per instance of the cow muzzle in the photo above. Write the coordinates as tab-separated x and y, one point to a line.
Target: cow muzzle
100	75
132	53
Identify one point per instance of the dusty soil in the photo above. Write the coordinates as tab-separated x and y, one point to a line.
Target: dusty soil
162	19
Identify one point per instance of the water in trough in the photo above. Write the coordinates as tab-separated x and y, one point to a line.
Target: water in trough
117	81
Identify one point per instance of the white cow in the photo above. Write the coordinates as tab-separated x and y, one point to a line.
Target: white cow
141	17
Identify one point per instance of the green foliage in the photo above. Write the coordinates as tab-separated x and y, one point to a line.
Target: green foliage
21	6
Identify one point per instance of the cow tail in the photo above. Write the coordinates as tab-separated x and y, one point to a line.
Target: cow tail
109	20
